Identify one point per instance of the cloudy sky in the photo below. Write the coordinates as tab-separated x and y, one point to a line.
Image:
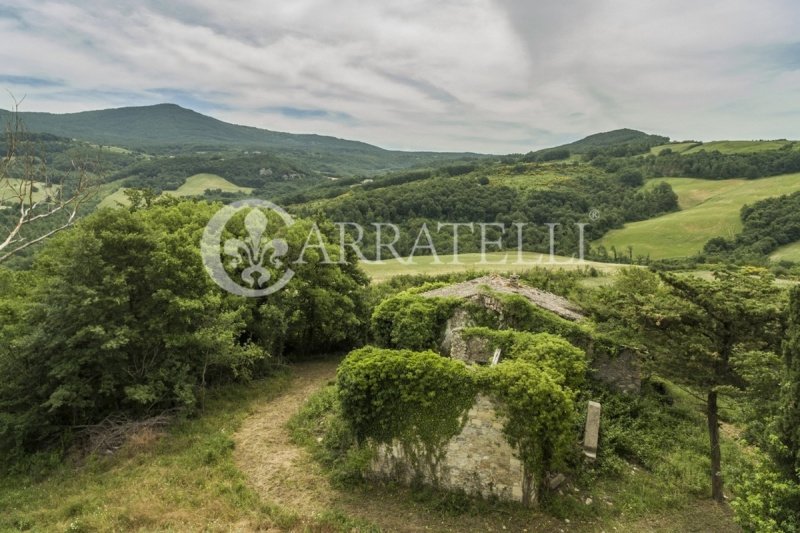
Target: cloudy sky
491	76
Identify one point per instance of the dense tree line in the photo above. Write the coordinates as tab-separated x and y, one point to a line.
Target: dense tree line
601	202
118	316
708	165
245	170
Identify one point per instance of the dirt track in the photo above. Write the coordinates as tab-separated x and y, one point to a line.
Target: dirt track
279	471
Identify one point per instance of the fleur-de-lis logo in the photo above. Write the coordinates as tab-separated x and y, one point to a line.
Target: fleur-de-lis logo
253	250
256	251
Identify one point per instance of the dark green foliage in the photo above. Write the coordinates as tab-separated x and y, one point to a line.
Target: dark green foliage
246	170
623	141
711	165
790	396
119	317
470	199
127	321
630	177
552	154
693	328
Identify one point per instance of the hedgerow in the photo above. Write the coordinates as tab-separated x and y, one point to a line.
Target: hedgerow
414	396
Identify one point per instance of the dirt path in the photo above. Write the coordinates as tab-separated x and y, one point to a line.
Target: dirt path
281	472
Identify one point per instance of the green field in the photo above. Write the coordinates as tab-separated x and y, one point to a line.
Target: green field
725	147
114	195
675	147
709	208
196	185
471	263
738	147
193	186
10	188
790	252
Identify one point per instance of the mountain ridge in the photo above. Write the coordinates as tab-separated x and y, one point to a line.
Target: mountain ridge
170	128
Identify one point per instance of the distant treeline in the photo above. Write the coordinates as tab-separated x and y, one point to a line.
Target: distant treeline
333	188
603	202
708	165
245	170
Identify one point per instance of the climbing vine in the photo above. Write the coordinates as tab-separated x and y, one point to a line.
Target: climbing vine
419	400
410	321
539	414
417	397
544	350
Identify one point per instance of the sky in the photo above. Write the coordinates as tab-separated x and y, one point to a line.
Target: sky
495	76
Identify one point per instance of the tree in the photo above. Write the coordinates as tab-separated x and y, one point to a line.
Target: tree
790	397
693	328
41	204
631	177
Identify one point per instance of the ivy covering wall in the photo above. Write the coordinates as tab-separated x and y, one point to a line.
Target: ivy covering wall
419	400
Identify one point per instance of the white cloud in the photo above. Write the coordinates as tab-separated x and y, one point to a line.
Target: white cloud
470	75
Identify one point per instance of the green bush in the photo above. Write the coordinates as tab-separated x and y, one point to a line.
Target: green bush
410	321
417	397
765	500
540	415
118	316
540	349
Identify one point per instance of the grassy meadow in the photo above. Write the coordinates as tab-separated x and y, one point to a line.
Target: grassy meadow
790	252
724	147
709	208
193	186
10	187
495	262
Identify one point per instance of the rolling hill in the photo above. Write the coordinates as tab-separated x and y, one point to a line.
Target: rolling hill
607	139
709	208
169	128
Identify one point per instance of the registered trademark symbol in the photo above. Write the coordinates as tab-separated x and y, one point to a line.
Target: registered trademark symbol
594	214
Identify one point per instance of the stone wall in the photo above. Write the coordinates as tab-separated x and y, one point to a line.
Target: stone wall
622	371
478	460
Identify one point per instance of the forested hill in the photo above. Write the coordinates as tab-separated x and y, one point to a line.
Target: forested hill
626	141
169	128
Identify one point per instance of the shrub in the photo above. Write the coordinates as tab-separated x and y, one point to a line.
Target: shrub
417	397
410	321
540	416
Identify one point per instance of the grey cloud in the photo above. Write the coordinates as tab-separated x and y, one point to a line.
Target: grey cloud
480	75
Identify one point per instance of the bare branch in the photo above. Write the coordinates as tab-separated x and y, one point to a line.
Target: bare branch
23	174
